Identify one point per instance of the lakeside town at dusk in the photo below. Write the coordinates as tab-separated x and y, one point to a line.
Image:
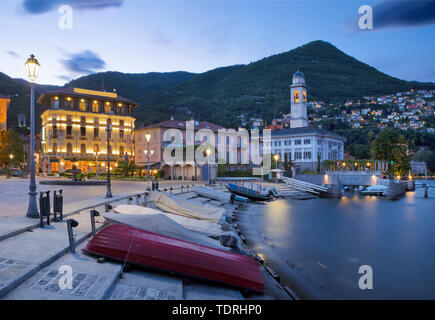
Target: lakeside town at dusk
204	159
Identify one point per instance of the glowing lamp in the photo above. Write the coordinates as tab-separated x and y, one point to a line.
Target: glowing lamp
32	66
148	137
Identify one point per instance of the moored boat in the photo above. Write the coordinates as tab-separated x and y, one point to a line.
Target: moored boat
378	190
143	248
249	193
223	197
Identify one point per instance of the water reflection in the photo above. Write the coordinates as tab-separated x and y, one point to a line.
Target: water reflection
396	238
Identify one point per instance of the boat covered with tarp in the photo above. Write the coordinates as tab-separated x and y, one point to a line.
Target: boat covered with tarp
378	190
176	226
135	246
250	193
186	208
161	224
221	196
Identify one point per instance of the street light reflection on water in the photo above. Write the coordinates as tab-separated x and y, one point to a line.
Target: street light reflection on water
394	237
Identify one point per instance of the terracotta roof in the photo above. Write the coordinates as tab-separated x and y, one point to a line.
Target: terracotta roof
70	91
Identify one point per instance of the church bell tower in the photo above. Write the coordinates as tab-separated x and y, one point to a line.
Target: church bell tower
299	118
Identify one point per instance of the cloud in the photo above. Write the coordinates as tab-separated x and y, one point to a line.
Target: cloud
84	62
43	6
13	54
403	13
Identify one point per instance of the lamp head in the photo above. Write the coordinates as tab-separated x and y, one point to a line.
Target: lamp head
148	137
32	66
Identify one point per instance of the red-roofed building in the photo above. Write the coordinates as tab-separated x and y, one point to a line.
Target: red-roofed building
186	132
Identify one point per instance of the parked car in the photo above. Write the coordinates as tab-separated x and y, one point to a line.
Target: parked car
17	173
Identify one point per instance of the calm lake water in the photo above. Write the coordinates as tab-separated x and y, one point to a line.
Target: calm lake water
323	242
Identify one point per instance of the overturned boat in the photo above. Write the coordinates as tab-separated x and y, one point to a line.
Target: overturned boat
223	197
143	248
186	208
252	194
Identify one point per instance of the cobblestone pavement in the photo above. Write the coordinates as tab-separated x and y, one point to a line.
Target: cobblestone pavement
14	197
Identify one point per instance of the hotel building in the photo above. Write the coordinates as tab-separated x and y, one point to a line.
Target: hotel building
74	130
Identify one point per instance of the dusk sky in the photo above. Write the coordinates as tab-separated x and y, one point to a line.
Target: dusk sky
137	36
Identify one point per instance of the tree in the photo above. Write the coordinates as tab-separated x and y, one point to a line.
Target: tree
10	145
126	168
391	146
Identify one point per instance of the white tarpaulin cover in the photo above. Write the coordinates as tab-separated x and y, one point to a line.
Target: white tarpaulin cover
223	197
185	207
203	227
161	224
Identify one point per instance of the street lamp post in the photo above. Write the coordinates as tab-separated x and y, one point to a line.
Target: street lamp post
208	152
109	190
32	66
11	156
97	169
276	157
148	138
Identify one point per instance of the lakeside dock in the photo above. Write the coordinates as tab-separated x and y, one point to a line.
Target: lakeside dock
31	257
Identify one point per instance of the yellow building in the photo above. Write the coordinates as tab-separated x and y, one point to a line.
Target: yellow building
74	130
4	104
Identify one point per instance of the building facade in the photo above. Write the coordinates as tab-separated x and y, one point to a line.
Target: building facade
303	145
4	104
189	133
74	130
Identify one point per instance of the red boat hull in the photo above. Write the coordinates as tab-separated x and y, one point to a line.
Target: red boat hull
140	247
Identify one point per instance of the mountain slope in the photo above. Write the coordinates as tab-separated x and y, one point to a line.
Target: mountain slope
262	88
19	92
221	95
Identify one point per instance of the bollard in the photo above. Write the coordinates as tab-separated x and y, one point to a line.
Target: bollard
137	199
94	213
129	200
58	205
170	190
107	208
44	208
71	223
426	191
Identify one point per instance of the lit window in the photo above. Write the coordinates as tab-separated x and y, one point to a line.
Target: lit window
296	97
95	106
82	105
107	107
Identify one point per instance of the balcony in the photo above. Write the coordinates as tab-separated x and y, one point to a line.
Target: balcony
83	138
